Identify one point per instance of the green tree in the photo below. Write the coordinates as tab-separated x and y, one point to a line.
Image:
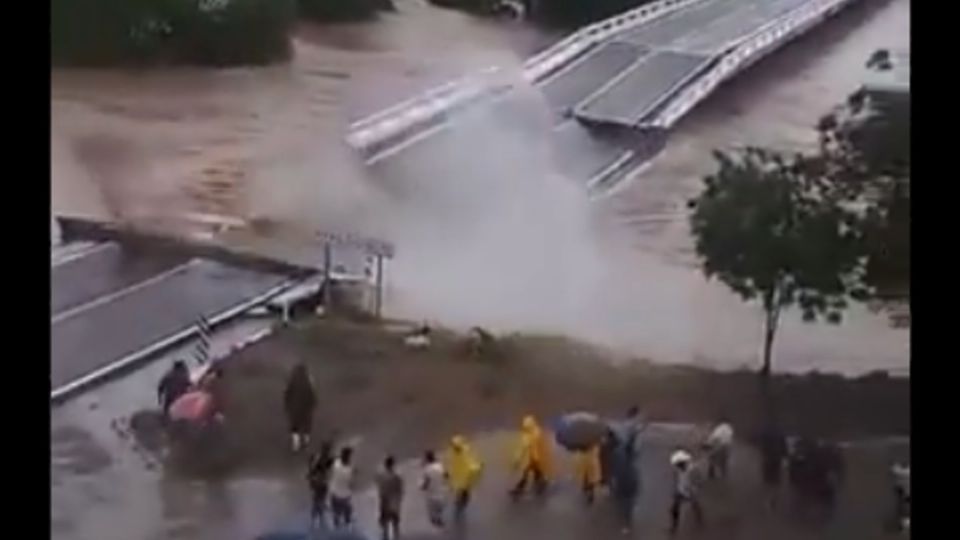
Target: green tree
771	232
865	157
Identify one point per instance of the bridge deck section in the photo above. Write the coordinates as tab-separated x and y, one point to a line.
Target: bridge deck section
647	84
569	87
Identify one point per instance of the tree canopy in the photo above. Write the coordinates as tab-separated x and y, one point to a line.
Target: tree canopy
813	230
767	232
865	153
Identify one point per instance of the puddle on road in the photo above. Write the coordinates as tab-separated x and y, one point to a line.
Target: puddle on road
242	507
74	452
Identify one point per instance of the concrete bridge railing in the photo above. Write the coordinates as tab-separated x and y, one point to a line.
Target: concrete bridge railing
398	122
744	52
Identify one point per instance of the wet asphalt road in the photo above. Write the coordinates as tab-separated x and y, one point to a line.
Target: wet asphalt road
638	92
105	269
111	303
708	27
102	491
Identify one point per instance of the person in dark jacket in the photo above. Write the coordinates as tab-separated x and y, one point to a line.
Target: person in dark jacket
773	453
318	476
625	482
174	384
299	401
608	450
390	493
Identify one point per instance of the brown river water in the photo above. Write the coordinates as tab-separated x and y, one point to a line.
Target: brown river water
166	148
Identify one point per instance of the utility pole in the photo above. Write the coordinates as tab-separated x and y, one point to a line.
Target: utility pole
327	282
379	292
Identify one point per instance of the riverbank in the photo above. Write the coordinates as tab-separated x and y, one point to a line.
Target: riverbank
403	400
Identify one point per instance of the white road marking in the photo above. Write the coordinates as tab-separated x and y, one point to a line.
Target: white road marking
79	383
65	255
63	315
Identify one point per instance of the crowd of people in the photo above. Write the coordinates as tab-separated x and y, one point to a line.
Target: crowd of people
814	468
447	481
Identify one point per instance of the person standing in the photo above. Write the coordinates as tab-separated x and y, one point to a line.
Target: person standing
174	384
433	486
318	476
902	496
587	465
390	491
626	483
532	458
608	452
718	446
684	491
342	479
773	453
299	401
463	468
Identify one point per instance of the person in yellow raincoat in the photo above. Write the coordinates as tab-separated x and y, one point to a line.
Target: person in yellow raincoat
532	458
587	471
463	469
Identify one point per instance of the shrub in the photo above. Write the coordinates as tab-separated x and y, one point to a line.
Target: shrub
151	32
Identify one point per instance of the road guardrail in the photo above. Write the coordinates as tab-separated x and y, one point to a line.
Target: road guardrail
396	123
744	52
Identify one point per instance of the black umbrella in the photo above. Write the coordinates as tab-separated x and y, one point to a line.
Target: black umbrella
580	430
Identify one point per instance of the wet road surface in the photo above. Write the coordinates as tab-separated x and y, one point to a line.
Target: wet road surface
112	302
574	83
646	85
104	488
105	269
709	27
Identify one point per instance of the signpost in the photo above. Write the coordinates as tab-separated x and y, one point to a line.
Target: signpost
372	247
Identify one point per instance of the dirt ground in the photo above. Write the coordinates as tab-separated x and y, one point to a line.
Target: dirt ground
402	400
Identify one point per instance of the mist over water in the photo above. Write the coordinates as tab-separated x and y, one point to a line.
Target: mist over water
508	245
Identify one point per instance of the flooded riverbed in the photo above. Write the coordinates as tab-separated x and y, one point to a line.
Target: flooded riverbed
170	149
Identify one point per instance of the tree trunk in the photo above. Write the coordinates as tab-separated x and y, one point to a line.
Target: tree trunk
771	307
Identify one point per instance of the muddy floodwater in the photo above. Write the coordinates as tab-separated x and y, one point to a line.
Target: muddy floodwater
163	146
172	148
